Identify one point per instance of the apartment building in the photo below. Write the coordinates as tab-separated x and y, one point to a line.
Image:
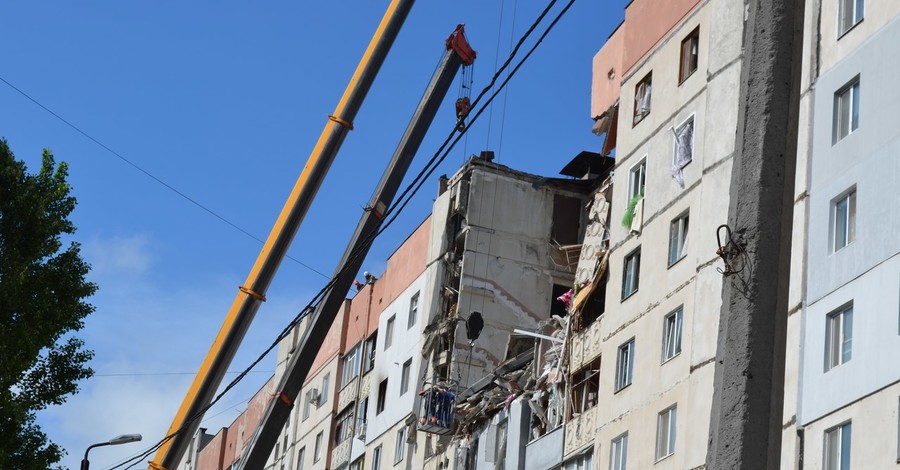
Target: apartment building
843	326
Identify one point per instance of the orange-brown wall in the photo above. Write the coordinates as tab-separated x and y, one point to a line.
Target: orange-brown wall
403	267
647	22
605	89
210	457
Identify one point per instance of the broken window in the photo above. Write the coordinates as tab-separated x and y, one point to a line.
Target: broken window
382	396
389	332
566	219
625	365
586	387
343	425
642	98
672	334
689	55
684	149
678	233
631	273
369	351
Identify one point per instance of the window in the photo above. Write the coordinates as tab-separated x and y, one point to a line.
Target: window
413	311
636	179
343	426
665	433
581	462
618	453
301	456
846	110
672	334
586	387
404	376
400	445
642	98
317	450
358	464
843	215
500	461
350	366
678	232
683	153
625	365
689	54
382	396
851	12
311	396
361	410
376	458
389	332
632	269
369	351
838	337
323	395
837	447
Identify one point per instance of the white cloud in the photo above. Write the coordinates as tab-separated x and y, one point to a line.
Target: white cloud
118	255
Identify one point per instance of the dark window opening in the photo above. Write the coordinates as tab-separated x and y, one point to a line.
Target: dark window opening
566	220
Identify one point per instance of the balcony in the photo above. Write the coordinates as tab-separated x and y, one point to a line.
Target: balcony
348	394
585	346
340	455
580	431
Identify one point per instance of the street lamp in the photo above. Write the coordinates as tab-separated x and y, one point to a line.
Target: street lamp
123	439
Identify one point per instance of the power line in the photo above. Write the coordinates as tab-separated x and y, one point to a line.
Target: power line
156	374
392	211
151	175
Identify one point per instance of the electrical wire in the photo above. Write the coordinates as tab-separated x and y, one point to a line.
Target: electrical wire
152	176
390	216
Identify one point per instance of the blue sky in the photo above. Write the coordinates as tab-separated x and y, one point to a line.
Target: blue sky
224	101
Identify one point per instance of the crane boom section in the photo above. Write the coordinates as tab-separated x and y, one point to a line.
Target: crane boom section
278	409
253	292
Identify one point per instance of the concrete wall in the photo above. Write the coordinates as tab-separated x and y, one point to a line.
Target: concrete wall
608	72
710	95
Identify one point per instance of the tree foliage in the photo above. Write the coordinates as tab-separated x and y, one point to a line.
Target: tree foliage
43	295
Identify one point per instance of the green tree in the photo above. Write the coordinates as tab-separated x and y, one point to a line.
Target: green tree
42	302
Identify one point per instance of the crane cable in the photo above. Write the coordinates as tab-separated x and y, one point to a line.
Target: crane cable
393	211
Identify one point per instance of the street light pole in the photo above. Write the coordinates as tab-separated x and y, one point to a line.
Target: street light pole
123	439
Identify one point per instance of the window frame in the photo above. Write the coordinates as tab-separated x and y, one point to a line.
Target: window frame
323	393
691	58
858	14
631	262
585	380
350	365
369	351
639	169
678	233
400	445
376	458
413	310
839	432
624	365
843	227
405	376
381	399
389	331
647	83
343	426
317	449
851	120
677	130
618	445
670	417
839	345
671	347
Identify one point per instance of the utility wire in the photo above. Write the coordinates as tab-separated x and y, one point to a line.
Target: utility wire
393	211
151	175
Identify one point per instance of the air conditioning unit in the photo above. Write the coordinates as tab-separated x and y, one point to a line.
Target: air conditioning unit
313	396
462	197
361	431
